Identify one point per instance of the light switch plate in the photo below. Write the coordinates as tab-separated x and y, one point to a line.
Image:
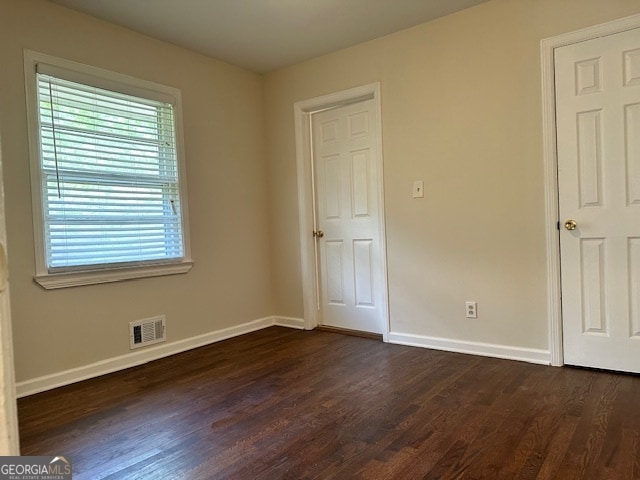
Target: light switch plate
418	189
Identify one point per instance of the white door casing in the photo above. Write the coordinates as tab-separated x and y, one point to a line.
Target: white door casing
598	131
9	443
345	170
304	112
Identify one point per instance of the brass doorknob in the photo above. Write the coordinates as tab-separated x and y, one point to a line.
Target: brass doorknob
318	233
570	224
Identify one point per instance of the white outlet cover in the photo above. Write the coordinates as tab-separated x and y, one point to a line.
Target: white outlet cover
471	309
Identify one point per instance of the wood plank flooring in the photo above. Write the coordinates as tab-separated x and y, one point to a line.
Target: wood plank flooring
288	404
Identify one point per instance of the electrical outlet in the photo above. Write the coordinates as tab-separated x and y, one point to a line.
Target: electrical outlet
471	309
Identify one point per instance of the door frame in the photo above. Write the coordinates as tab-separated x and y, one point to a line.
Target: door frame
303	112
9	435
550	158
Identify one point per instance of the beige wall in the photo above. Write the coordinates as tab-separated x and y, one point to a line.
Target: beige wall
461	109
226	171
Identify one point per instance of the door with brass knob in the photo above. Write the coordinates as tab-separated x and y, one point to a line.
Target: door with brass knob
598	146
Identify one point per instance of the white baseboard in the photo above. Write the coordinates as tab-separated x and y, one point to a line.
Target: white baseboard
103	367
530	355
289	322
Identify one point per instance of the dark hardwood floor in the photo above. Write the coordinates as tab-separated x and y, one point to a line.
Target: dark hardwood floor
287	404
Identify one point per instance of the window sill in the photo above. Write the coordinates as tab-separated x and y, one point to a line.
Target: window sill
92	277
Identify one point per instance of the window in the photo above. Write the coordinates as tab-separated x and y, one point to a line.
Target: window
107	181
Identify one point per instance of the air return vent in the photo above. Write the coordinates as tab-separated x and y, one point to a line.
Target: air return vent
147	331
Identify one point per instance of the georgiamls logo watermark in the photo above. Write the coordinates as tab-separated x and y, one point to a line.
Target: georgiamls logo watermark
35	468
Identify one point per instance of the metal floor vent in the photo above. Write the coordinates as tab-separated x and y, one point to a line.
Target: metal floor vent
147	331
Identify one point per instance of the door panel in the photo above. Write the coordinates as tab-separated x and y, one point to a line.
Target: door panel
350	270
598	127
632	137
360	183
334	253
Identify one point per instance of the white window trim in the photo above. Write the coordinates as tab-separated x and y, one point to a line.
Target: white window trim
125	84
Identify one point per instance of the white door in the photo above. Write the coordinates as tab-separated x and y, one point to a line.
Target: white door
347	213
598	128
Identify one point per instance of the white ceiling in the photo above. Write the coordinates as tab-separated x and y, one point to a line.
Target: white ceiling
264	35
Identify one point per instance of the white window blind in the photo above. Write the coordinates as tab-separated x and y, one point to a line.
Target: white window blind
109	174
